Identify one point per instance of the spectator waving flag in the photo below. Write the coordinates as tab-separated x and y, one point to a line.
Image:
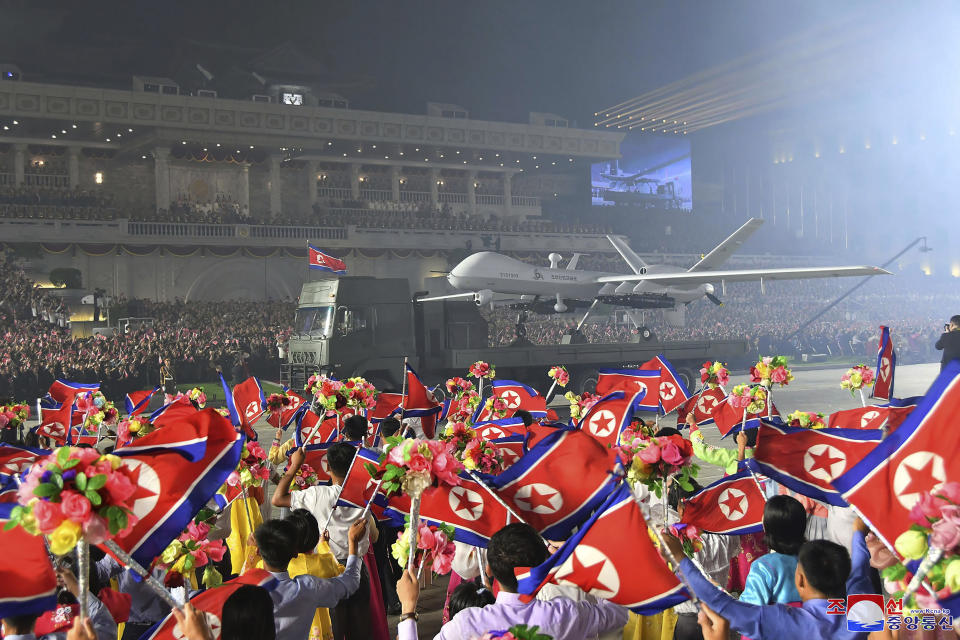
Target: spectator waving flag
136	402
559	482
630	381
607	419
912	461
250	402
597	560
886	367
470	508
808	460
27	582
325	262
178	469
732	506
210	602
673	393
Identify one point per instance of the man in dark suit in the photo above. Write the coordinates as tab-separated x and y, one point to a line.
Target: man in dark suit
949	342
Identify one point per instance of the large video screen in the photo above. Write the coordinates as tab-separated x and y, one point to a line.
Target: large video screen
653	173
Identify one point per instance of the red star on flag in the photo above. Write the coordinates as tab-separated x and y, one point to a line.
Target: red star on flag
588	575
823	461
921	480
734	504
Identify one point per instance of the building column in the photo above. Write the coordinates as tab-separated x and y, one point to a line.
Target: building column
434	188
312	182
472	191
244	198
507	194
395	183
161	170
276	208
355	181
73	166
19	163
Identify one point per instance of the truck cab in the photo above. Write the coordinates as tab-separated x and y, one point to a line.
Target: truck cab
351	326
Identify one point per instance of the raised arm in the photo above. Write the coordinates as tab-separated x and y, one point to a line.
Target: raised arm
281	495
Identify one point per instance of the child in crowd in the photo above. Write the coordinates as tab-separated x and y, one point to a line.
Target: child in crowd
771	576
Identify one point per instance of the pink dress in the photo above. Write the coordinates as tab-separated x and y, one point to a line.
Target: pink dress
752	547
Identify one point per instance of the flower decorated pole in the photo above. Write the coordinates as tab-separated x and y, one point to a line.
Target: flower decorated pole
403	395
75	497
560	376
770	371
481	370
145	575
714	375
412	466
855	379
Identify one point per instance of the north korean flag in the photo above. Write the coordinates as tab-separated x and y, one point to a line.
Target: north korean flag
210	602
64	391
631	381
15	459
869	417
559	482
307	421
702	405
178	469
79	437
250	403
673	393
732	506
179	409
54	423
503	428
283	418
517	396
913	460
808	460
469	507
540	430
316	457
596	560
729	418
510	448
325	262
886	367
358	487
420	403
136	402
387	405
27	581
607	419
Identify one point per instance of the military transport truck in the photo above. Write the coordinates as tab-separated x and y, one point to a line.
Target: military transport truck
366	326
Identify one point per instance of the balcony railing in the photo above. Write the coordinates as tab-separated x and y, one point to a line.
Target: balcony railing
334	192
45	180
490	200
7	179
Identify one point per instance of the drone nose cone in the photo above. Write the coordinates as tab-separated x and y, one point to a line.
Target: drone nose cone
708	288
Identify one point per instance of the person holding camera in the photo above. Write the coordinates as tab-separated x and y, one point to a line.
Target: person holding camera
949	342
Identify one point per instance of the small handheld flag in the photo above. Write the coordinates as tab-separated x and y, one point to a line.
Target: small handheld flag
886	367
731	506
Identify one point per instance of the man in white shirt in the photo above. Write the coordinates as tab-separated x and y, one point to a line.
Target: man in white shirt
351	618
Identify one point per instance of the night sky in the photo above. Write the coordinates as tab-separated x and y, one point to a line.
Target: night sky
499	58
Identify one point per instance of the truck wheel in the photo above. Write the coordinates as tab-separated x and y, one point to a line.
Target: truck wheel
587	381
689	378
646	334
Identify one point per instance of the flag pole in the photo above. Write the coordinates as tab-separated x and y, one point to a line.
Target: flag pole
145	575
366	509
403	398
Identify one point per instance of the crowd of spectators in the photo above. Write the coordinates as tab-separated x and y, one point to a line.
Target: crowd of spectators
239	337
51	203
915	310
221	210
